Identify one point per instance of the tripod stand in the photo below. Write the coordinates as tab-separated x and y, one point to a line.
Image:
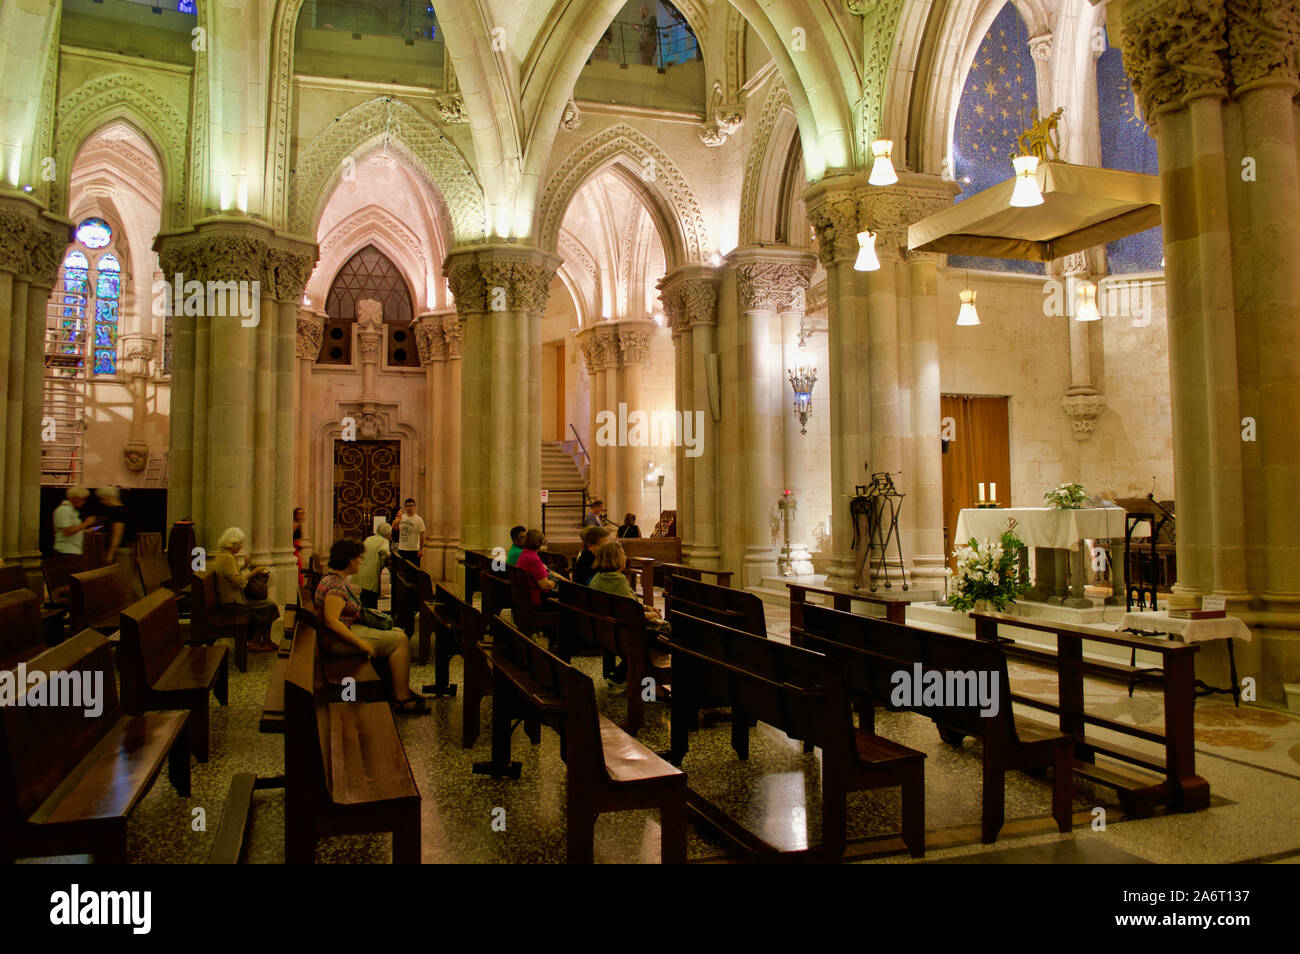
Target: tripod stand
875	511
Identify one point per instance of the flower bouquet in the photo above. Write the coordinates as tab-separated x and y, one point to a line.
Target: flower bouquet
1067	497
988	573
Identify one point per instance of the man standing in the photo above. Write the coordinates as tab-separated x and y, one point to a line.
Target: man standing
69	528
410	539
649	30
595	514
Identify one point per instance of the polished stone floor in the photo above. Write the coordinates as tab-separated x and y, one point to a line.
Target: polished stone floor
1255	813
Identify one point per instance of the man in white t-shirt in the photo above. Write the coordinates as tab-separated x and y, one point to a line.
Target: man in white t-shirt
410	534
69	528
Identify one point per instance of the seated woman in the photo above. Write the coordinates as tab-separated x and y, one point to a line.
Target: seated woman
610	563
232	581
342	635
532	564
584	568
628	527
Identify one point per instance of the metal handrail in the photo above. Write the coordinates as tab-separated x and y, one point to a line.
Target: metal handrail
580	444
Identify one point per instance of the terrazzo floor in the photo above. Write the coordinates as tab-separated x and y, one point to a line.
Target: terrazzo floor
1254	815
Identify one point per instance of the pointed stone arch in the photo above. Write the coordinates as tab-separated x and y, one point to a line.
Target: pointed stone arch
376	226
777	127
668	193
125	98
413	138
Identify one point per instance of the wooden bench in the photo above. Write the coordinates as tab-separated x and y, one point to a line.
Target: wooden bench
12	578
735	608
664	573
895	604
404	593
475	562
542	618
345	769
368	682
209	621
497	596
57	571
421	594
801	693
870	651
69	780
302	614
555	562
616	626
608	770
1171	780
98	598
441	617
21	630
160	672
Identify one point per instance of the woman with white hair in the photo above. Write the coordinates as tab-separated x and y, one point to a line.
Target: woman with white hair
377	547
232	582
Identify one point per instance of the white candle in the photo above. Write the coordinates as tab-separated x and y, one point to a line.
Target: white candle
981	493
993	492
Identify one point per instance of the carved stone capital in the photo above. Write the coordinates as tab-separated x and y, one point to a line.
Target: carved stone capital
834	218
1083	408
889	212
774	286
311	332
1174	50
859	8
429	339
1264	36
1040	48
453	333
572	117
238	250
136	454
32	243
451	108
500	279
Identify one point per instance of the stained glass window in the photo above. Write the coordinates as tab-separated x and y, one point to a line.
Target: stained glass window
94	233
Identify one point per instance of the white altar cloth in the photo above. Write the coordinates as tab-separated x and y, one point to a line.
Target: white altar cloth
1045	526
1187	630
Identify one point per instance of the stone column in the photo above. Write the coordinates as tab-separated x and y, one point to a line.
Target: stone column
32	244
1217	82
926	510
309	330
452	453
442	413
689	295
501	292
233	434
137	352
770	280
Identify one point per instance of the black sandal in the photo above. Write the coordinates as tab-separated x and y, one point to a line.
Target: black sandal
412	705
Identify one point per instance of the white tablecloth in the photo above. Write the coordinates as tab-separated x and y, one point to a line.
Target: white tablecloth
1187	630
1045	526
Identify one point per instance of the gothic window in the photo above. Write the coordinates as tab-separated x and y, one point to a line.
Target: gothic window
87	300
369	274
998	101
1126	145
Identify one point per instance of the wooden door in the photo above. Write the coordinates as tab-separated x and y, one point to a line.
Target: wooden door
979	452
367	477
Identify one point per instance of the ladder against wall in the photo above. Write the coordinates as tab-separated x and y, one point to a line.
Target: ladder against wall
155	472
63	416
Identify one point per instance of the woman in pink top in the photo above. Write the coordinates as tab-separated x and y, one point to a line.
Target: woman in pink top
532	564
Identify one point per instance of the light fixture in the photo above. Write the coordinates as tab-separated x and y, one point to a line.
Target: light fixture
882	170
867	260
1087	306
1026	192
802	379
967	315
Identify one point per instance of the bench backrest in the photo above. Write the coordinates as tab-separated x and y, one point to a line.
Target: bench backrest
773	682
522	587
154	571
203	600
20	626
722	604
97	593
58	570
496	594
150	641
147	543
589	617
476	563
306	717
557	562
404	593
12	578
872	651
42	744
543	670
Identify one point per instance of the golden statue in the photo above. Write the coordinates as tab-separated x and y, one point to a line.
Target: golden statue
1042	136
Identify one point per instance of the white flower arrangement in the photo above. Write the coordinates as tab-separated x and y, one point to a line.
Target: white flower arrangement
987	570
1067	497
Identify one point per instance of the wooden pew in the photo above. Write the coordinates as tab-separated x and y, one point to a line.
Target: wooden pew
735	608
98	598
273	705
871	650
21	632
475	562
422	628
895	604
616	626
664	573
12	578
69	780
555	562
160	672
209	621
345	769
1174	782
529	618
497	596
369	683
404	592
58	570
608	770
441	616
802	693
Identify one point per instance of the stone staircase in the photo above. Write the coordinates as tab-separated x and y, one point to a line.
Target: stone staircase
564	481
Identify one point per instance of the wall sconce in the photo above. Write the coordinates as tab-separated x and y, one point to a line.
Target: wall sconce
1026	193
867	260
802	379
1087	306
967	315
882	170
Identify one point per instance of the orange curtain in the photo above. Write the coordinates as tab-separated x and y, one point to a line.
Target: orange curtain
979	452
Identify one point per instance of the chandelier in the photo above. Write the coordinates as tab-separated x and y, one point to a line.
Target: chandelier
802	379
